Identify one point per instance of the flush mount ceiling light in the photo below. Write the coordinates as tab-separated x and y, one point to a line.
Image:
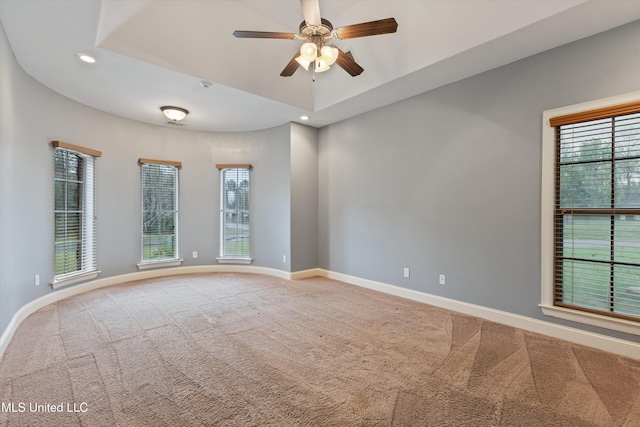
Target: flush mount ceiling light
175	114
86	58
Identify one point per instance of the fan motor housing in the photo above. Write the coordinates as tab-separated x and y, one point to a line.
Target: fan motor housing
323	30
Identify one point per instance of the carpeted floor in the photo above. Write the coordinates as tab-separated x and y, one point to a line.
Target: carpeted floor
253	350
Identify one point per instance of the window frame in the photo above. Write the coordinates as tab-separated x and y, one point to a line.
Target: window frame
88	242
224	257
148	263
548	205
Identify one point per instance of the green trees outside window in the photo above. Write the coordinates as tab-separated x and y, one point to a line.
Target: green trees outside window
74	212
159	212
235	213
597	225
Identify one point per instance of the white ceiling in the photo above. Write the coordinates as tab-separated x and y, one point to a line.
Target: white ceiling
156	52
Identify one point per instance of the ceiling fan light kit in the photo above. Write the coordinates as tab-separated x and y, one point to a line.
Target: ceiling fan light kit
316	32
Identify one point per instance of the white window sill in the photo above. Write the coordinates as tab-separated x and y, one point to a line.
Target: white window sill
159	264
612	323
225	260
75	278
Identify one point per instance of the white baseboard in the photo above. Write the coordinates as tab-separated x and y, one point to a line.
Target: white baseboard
305	274
603	342
578	336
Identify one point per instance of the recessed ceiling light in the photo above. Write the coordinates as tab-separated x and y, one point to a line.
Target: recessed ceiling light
86	58
304	117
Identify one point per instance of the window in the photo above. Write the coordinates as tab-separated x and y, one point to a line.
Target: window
596	213
159	240
74	213
235	186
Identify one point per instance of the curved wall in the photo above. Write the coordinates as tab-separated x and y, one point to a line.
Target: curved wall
31	116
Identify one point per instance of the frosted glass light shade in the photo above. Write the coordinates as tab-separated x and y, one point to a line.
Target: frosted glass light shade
303	62
321	65
309	51
330	54
174	113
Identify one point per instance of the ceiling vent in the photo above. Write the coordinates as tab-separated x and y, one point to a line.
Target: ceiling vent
178	124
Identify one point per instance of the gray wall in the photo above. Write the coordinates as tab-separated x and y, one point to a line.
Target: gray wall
304	197
448	182
24	234
123	142
32	115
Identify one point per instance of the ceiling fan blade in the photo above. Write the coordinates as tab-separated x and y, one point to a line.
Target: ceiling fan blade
291	67
348	64
381	26
263	35
311	12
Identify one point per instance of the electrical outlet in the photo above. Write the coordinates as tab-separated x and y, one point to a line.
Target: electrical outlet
442	279
406	272
194	254
36	280
284	259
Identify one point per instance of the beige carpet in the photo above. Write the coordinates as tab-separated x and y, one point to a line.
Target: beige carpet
252	350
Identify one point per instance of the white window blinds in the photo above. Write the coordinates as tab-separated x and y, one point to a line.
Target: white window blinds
75	248
235	211
159	190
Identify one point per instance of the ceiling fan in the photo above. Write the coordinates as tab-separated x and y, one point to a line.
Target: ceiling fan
317	32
